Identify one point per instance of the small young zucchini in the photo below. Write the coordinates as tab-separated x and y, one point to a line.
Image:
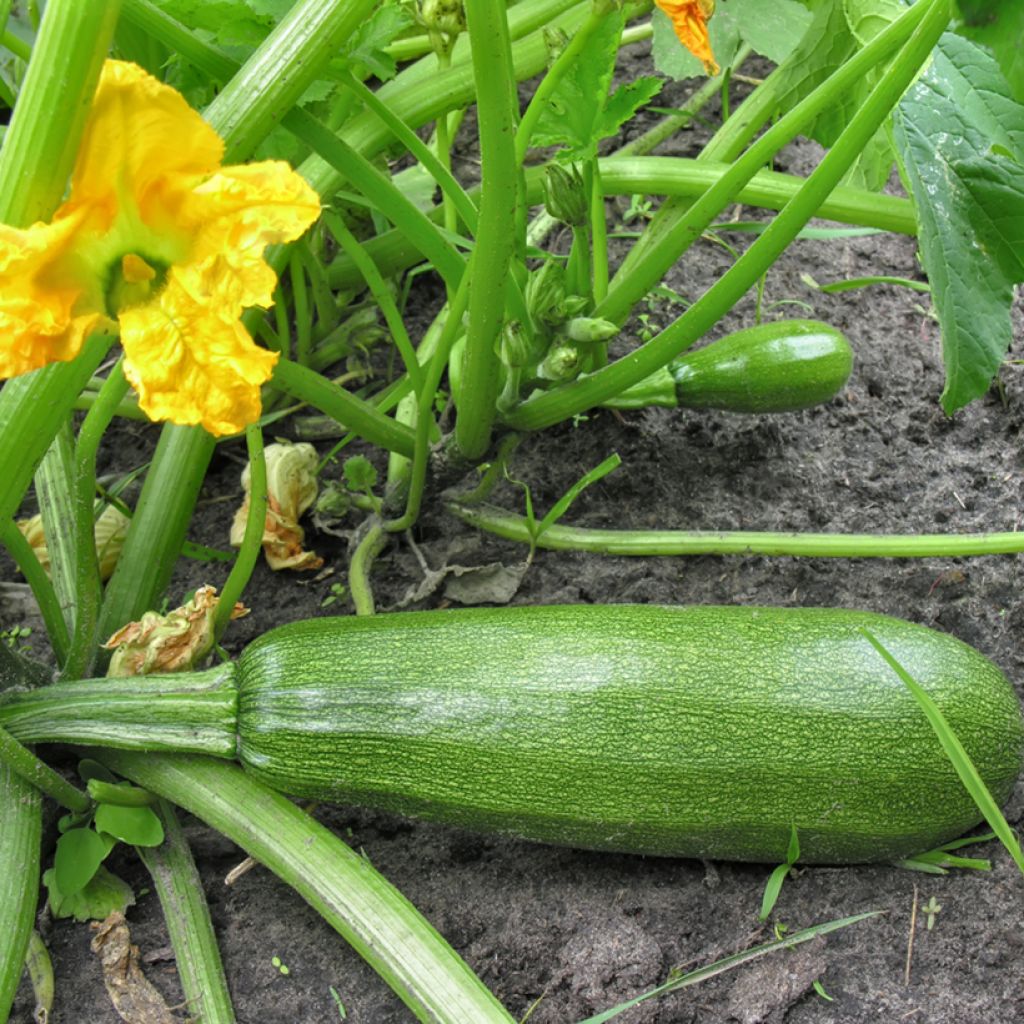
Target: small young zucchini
776	367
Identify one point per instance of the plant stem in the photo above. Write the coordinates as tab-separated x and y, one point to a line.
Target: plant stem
280	70
180	890
584	393
740	542
40	775
372	544
22	832
191	711
668	240
494	76
343	887
54	482
354	413
158	526
42	589
252	539
88	590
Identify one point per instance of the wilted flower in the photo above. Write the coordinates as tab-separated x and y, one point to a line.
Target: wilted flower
158	236
690	20
110	531
291	489
168	643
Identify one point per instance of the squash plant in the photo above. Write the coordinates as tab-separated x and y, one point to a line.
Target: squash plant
130	218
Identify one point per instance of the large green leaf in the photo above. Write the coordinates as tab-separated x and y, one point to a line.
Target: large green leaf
961	140
999	25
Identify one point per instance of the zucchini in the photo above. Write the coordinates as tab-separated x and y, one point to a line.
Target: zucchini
783	366
685	731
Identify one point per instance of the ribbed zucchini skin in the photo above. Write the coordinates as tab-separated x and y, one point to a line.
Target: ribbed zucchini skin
681	731
775	367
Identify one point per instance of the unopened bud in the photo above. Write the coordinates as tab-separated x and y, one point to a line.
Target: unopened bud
565	197
561	363
590	329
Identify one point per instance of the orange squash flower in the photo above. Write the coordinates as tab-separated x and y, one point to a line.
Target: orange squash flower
690	20
156	235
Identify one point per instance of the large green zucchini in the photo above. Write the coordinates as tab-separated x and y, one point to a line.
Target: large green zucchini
690	731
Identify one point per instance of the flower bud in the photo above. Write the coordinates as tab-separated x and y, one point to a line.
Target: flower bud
561	363
565	197
588	329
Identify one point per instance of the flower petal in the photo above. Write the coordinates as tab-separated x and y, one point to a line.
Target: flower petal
38	320
190	364
241	210
690	20
143	141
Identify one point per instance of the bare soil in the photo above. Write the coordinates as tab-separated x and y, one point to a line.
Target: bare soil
562	934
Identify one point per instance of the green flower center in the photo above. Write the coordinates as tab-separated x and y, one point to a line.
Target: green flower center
132	280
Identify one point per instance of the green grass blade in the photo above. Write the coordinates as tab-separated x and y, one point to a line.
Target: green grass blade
955	752
561	506
730	962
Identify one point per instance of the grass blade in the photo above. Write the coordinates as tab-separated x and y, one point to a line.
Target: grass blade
730	962
955	752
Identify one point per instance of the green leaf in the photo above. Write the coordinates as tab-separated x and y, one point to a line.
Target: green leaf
80	852
366	47
136	825
772	29
572	116
624	103
949	122
997	187
359	473
103	894
999	25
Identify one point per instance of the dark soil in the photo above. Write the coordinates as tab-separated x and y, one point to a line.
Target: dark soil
561	933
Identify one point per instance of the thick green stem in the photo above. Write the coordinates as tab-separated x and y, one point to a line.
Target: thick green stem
584	393
354	413
343	887
647	543
20	807
669	176
188	711
54	482
494	75
40	775
281	69
180	890
158	526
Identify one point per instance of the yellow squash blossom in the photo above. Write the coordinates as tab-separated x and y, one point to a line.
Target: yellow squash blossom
158	236
690	20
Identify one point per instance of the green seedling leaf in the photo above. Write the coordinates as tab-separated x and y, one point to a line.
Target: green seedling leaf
779	875
101	896
80	852
999	25
973	782
820	989
945	129
359	474
730	962
136	825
